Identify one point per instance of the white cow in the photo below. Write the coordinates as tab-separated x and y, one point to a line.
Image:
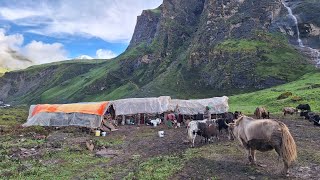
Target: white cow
192	130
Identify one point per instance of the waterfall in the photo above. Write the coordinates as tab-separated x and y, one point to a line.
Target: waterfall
295	22
314	52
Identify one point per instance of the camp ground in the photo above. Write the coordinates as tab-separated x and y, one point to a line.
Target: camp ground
58	138
91	114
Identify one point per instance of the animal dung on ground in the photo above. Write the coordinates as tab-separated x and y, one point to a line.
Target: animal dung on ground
107	153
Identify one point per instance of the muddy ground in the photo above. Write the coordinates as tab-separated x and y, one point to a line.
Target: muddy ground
128	148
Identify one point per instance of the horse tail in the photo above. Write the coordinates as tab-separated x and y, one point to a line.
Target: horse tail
288	145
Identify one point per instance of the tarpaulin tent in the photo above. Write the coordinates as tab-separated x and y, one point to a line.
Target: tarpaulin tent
91	114
151	105
217	105
77	114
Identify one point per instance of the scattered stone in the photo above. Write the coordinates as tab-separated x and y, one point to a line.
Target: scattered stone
252	177
90	145
107	153
38	137
262	165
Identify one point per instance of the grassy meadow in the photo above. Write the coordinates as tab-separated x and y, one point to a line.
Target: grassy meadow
304	90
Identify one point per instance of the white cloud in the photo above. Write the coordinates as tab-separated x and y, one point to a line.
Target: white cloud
100	54
14	55
84	57
14	14
110	20
40	52
105	54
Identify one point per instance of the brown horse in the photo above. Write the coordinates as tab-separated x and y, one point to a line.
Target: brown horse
261	112
264	135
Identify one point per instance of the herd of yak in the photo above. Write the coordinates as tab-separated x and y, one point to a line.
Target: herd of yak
262	134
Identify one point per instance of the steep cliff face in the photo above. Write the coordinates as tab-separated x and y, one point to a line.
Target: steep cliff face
225	45
187	49
146	27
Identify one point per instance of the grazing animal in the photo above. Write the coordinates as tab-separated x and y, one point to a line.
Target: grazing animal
304	107
193	128
312	117
261	112
307	115
237	114
187	122
207	131
229	116
264	135
222	124
289	110
316	120
154	122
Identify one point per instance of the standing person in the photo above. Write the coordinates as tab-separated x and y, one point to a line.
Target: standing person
179	117
207	113
171	119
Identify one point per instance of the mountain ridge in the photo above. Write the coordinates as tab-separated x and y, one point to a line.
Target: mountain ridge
185	49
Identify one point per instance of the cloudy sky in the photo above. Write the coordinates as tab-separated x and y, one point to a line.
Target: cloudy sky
42	31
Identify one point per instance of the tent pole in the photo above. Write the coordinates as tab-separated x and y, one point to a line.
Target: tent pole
165	118
139	118
123	120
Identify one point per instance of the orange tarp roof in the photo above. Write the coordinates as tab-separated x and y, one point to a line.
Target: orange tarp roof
86	108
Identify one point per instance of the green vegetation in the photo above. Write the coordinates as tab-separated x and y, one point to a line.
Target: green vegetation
304	90
244	45
118	93
108	142
13	115
272	55
157	168
3	70
55	165
156	10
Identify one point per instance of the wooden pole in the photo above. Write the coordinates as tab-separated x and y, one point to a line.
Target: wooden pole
123	119
139	118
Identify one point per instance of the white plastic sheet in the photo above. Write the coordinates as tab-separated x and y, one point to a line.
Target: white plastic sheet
217	105
141	105
129	107
64	119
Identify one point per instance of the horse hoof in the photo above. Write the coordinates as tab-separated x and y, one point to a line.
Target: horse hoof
285	174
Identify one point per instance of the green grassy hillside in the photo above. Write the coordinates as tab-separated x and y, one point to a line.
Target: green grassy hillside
304	90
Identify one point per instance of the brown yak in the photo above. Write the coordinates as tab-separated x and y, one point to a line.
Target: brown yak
261	112
264	135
